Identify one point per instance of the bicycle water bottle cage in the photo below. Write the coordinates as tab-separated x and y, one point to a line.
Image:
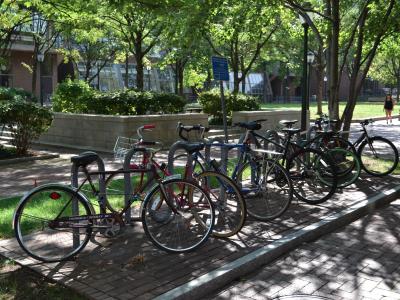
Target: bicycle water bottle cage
84	159
288	123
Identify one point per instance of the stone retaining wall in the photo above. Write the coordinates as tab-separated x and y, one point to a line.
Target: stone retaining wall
273	117
99	132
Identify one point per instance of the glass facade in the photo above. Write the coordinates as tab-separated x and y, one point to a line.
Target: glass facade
112	77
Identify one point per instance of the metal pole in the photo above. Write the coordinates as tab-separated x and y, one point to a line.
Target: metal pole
221	85
40	82
304	104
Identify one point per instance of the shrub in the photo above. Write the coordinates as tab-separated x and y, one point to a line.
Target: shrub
25	120
7	94
78	97
211	103
72	96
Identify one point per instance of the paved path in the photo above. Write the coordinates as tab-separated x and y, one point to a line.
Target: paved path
359	261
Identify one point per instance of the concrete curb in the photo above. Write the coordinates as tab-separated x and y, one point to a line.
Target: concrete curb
218	278
26	159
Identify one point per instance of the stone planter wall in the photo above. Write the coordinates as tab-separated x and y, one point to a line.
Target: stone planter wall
273	117
99	132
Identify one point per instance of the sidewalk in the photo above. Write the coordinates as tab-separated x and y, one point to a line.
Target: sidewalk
359	261
129	266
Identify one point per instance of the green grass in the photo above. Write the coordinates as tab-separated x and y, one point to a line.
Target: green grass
363	110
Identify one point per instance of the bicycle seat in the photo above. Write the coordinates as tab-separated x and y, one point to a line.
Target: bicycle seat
85	158
249	125
192	147
291	130
288	123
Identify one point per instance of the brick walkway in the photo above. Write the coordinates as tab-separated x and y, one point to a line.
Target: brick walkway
128	266
359	261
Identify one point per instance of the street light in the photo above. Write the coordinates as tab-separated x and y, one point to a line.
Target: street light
325	82
304	104
40	59
148	76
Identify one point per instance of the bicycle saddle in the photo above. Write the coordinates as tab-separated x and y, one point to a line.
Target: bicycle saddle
85	158
288	123
249	125
291	130
192	147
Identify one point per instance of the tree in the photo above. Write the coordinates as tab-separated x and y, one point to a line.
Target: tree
386	67
139	27
239	31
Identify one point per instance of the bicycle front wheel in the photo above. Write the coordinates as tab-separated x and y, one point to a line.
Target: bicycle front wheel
178	216
230	208
266	187
42	225
378	156
313	175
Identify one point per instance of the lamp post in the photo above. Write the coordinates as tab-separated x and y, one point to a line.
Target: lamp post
325	82
304	104
148	76
40	59
310	60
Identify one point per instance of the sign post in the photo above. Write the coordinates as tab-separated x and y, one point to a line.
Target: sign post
221	73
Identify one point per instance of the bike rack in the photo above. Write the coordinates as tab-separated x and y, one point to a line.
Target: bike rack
75	185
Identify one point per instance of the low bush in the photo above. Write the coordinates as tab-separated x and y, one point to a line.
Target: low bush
25	120
79	97
211	104
7	94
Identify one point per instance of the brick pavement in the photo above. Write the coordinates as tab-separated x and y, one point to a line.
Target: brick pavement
359	261
129	266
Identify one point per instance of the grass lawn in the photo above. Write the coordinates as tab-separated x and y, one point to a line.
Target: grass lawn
363	110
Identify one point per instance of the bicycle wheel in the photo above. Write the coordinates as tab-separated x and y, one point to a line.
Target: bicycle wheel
313	175
190	216
378	156
266	187
230	208
347	165
42	227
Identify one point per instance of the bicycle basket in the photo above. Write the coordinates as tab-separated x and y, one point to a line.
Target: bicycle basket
122	146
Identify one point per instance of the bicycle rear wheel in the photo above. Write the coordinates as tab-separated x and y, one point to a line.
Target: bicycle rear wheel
313	175
42	227
190	216
266	187
378	156
230	208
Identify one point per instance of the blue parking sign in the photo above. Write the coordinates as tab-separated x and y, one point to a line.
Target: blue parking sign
220	68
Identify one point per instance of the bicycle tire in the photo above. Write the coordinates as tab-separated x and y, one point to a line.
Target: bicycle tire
267	192
229	205
388	154
313	175
185	230
37	209
348	166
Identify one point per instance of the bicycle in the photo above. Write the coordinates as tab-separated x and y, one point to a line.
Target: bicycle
312	172
378	156
54	222
265	184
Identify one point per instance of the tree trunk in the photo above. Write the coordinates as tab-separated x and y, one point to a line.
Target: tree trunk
180	72
334	63
236	82
320	89
139	72
126	70
176	82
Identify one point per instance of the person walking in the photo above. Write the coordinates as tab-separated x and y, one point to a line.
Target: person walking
388	107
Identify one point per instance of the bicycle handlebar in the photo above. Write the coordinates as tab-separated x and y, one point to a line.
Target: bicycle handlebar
187	128
140	129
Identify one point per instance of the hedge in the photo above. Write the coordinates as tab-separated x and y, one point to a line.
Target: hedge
79	97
